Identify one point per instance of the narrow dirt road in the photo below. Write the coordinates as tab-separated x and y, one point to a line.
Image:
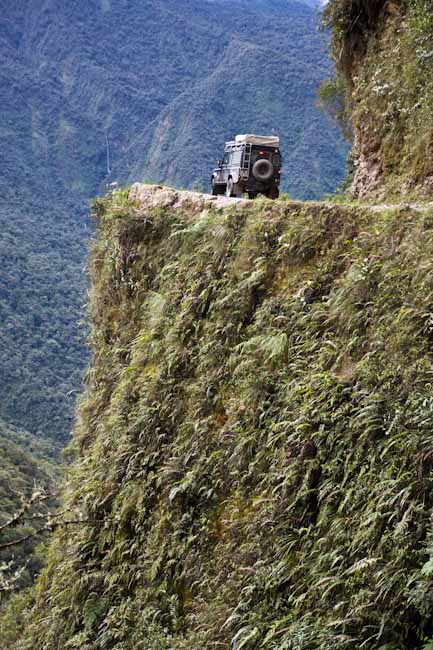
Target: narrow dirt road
153	195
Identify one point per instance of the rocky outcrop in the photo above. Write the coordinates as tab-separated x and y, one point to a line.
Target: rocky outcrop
152	196
383	52
369	169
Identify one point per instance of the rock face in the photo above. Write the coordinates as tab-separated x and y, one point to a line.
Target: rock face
152	196
383	51
254	450
369	167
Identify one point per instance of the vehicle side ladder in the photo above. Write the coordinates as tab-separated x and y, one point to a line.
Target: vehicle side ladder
247	156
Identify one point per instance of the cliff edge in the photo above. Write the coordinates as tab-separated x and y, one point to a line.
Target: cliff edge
254	463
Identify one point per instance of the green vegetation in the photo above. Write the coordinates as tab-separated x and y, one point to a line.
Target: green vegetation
383	52
252	458
96	91
254	449
41	342
28	471
332	99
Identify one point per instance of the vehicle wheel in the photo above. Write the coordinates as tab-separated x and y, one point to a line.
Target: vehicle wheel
263	170
252	195
230	187
215	191
273	193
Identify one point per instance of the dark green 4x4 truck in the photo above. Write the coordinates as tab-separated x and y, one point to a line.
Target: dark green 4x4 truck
252	165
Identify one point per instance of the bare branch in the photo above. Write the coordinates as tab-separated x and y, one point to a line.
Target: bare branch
49	528
37	498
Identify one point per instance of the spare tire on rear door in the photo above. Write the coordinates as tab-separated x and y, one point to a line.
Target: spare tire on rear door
263	170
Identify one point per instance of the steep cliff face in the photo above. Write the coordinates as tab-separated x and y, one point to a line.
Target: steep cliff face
96	91
384	52
254	464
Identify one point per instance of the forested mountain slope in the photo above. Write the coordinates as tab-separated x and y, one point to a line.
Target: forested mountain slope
28	471
102	90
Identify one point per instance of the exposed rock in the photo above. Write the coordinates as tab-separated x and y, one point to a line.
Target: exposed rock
368	167
152	196
383	52
392	8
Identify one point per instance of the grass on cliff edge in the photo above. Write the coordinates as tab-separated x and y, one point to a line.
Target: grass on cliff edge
254	457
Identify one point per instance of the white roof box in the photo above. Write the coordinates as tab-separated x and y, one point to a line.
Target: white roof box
261	140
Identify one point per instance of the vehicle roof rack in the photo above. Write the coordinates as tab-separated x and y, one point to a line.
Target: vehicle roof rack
260	140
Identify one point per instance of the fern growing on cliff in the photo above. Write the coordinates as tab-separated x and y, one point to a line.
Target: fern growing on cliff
255	440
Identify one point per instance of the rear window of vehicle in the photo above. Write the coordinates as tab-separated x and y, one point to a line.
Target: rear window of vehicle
275	158
256	155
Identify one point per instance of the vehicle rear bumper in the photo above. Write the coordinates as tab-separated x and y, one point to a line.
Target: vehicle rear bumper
253	185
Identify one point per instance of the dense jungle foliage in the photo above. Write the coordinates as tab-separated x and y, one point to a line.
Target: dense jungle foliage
254	456
28	470
384	52
99	90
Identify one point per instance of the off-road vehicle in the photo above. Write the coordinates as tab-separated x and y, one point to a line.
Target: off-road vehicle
252	165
